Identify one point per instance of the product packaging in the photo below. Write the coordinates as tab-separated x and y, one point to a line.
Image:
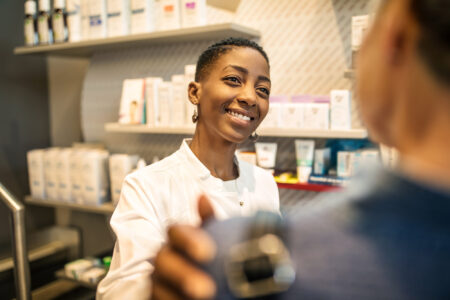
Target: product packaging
97	19
30	30
59	21
151	99
51	179
179	98
132	101
76	268
95	177
118	17
74	20
165	99
85	22
193	13
247	156
316	114
266	154
322	161
35	160
360	26
44	25
120	165
143	17
93	275
76	180
274	117
189	76
304	151
63	175
169	15
341	110
344	163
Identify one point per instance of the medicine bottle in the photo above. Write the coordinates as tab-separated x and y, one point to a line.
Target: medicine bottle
31	37
59	21
44	25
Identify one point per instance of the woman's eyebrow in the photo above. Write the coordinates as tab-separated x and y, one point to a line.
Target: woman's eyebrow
245	71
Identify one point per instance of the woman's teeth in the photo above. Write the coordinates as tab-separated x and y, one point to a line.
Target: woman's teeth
242	117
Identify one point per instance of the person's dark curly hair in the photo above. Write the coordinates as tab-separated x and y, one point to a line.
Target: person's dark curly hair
433	17
210	55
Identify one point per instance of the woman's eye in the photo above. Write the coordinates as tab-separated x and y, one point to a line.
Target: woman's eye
232	79
265	91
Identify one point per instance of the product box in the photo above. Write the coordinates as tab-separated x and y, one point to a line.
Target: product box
93	275
74	20
97	19
143	16
76	268
85	22
132	101
193	13
344	163
120	165
63	175
247	156
94	174
273	118
168	15
179	91
189	76
340	114
151	99
118	17
322	161
316	116
165	100
35	159
76	180
360	26
51	180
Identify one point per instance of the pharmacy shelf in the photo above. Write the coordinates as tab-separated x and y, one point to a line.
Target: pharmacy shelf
308	187
275	132
105	208
86	48
61	274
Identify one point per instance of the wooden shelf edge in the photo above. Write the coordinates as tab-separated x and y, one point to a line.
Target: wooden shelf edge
105	208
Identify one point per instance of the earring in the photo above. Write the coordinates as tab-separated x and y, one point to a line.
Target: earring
195	116
254	137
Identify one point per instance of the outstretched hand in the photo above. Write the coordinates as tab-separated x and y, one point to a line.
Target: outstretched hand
175	276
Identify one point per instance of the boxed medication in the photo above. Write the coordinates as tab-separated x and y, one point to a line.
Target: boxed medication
85	22
76	268
179	98
97	19
189	76
273	118
74	20
316	116
76	181
322	161
143	16
132	101
165	97
94	174
360	26
340	114
35	159
169	15
93	275
151	99
63	174
51	179
193	13
118	17
344	163
120	165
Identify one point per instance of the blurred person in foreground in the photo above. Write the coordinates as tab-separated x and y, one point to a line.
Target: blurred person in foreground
388	235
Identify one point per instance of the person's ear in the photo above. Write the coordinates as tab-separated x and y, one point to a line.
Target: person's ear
194	92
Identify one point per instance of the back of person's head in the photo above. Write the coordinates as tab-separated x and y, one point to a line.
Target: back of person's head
207	59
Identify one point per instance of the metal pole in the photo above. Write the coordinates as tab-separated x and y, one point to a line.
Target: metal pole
20	253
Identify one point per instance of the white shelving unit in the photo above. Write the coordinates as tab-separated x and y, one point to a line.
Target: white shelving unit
275	132
86	48
106	208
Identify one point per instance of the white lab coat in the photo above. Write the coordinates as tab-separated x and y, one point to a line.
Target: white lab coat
164	193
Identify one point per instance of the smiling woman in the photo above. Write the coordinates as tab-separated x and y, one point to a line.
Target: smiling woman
231	92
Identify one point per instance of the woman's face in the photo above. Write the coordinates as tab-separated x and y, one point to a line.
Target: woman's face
233	97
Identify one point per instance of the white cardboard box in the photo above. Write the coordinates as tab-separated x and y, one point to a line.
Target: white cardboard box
132	101
179	93
151	99
165	99
193	13
63	175
51	183
169	15
97	19
120	165
340	114
74	20
95	177
35	160
143	16
118	17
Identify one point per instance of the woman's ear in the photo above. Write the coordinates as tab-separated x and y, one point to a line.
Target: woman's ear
194	92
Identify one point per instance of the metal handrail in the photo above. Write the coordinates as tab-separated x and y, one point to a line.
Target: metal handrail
20	253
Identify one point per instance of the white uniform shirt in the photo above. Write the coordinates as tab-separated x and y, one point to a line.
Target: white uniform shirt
164	193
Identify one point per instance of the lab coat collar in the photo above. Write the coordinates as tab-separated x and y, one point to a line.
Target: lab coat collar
196	164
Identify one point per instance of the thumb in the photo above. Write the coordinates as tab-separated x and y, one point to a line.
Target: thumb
205	209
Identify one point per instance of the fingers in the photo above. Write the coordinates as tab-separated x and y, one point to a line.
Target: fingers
174	276
162	292
192	241
205	209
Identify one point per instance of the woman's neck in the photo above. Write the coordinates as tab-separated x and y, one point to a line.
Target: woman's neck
216	154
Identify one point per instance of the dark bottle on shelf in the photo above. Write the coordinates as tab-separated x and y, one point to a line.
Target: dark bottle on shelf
30	33
59	21
44	25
